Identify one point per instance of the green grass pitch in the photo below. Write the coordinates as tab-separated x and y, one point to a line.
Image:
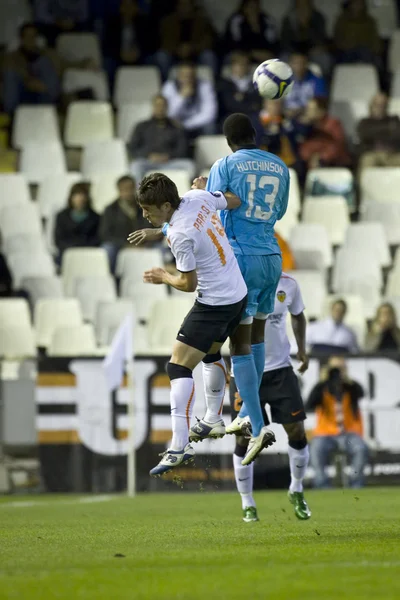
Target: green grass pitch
195	546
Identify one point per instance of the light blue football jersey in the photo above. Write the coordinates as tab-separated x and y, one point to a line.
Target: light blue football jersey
261	180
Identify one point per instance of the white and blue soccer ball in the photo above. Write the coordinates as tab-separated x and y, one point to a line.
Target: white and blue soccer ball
273	79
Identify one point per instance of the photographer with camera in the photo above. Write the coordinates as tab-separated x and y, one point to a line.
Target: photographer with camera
339	426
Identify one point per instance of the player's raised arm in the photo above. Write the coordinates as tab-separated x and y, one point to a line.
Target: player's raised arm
145	235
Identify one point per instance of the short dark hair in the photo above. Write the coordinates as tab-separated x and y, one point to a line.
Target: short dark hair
157	188
25	26
238	129
125	178
83	188
340	301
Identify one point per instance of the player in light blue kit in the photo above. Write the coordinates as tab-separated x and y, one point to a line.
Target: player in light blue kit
261	180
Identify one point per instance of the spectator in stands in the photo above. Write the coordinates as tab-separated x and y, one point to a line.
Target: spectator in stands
379	136
159	143
331	334
236	91
186	34
305	26
276	133
384	334
325	144
78	224
356	36
339	425
58	16
288	262
30	74
192	101
253	31
306	86
120	218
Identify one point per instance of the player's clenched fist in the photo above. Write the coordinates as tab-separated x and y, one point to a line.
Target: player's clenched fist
199	183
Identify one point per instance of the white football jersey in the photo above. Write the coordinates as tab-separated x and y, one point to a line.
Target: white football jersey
198	242
277	346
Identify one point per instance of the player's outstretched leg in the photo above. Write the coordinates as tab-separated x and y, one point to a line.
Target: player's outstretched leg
214	376
298	461
244	482
182	400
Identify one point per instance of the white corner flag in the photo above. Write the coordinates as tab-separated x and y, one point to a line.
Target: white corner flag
118	360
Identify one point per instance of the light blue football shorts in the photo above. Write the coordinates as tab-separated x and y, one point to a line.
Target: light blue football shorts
261	274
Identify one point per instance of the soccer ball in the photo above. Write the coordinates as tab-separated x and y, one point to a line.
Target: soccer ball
273	79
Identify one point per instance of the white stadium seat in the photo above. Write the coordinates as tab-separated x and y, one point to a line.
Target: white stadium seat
393	284
78	79
103	189
354	82
17	341
14	189
385	13
109	316
388	214
91	290
143	295
395	92
165	320
209	148
74	47
394	52
330	211
42	286
13	13
78	340
53	192
337	178
380	184
50	313
313	290
24	242
136	85
29	264
294	204
83	262
40	160
330	10
14	311
350	112
360	236
311	246
104	157
202	72
285	225
35	124
14	220
88	122
129	115
178	176
132	262
355	315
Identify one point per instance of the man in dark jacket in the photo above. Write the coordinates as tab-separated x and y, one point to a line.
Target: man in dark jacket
236	92
159	144
120	218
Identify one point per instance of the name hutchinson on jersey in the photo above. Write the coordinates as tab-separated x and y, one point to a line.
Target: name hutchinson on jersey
259	165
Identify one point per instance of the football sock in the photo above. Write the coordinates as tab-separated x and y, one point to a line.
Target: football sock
244	481
298	461
214	377
258	351
182	398
246	379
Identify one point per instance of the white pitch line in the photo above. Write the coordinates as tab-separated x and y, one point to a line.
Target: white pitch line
29	504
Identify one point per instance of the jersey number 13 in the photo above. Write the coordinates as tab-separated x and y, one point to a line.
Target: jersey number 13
264	213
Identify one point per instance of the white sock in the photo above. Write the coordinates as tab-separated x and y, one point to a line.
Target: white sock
182	400
298	460
214	377
244	481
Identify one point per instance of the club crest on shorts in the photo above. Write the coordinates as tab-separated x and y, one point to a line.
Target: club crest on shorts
281	295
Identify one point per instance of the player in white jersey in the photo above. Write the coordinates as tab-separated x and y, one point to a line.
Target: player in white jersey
280	389
205	261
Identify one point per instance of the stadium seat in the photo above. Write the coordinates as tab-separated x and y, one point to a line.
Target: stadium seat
311	246
39	161
354	82
285	225
132	262
313	290
14	311
143	295
83	262
393	283
294	204
336	178
103	189
202	72
380	184
17	341
385	13
129	115
24	242
75	47
350	112
88	122
13	13
49	286
50	313
53	192
92	290
14	189
360	236
394	52
109	316
355	316
136	85
162	331
330	11
29	264
14	220
104	157
178	176
209	148
35	124
388	214
330	211
79	79
219	13
78	340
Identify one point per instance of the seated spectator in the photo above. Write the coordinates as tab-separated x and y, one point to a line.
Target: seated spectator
339	426
276	133
159	143
191	101
304	25
356	36
253	31
379	136
120	218
332	334
58	16
325	144
306	86
288	262
30	74
78	224
186	34
236	92
384	334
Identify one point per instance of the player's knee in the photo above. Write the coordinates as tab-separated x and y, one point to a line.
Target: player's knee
296	435
212	358
241	446
175	371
